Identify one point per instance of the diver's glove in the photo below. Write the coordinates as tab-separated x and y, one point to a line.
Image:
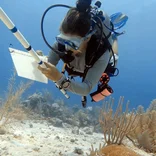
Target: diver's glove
42	56
39	52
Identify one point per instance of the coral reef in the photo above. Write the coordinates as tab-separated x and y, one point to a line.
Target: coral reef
112	150
56	112
152	106
139	127
116	125
10	108
144	135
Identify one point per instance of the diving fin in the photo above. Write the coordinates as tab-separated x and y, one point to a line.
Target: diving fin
119	20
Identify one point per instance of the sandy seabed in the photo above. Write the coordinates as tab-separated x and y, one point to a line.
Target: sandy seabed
38	138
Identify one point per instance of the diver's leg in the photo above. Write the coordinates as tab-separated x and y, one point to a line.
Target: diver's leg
115	46
115	49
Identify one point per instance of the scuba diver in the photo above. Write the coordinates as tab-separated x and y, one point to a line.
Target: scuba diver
87	44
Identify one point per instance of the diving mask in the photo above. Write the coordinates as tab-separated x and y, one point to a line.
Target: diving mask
72	42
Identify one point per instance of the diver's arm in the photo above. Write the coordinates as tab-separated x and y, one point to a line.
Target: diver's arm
115	49
53	58
92	77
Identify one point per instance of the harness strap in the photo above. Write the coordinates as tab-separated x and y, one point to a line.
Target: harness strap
92	62
71	72
63	68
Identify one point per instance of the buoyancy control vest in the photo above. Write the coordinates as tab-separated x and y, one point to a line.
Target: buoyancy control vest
91	56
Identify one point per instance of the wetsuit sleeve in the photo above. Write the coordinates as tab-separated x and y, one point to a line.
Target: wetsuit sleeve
92	77
53	57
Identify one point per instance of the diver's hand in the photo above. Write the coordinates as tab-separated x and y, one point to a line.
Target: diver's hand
51	72
39	52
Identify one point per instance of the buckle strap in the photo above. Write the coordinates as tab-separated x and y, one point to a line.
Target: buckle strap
84	101
88	66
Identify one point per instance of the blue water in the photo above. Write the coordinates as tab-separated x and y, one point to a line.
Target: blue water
137	51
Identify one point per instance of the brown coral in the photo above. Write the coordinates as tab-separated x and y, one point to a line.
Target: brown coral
113	150
117	150
11	108
116	125
144	135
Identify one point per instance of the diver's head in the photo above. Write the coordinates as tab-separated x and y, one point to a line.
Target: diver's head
78	19
75	27
76	23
